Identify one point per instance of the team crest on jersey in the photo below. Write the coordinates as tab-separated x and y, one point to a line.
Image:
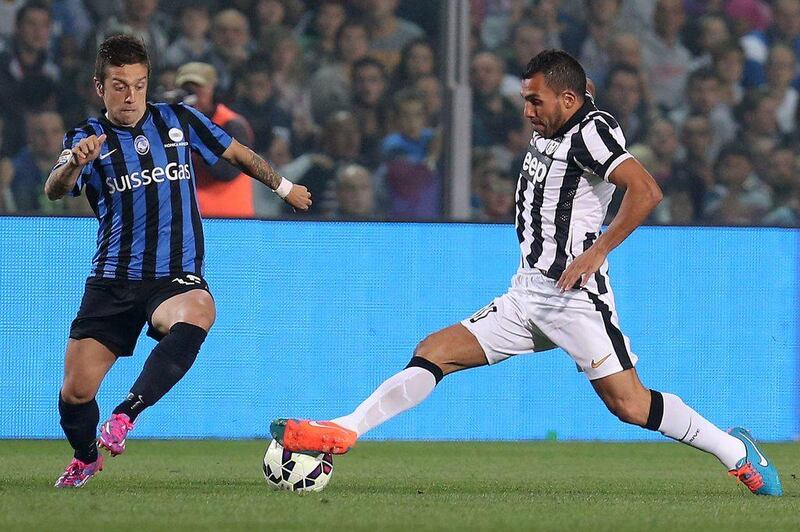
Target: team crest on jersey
175	134
551	148
141	145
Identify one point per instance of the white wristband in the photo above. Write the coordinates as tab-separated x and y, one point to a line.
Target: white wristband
284	188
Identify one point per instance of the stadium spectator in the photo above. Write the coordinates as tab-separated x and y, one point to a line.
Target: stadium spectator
340	144
727	62
780	74
432	91
142	19
706	34
702	98
589	41
270	16
411	156
622	97
526	40
355	193
319	44
783	180
258	102
625	49
27	57
697	171
417	59
25	173
192	44
369	106
738	196
330	85
678	206
223	191
665	59
662	139
496	198
491	110
785	29
757	114
230	33
388	32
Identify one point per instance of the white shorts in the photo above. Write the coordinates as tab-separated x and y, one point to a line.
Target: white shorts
534	315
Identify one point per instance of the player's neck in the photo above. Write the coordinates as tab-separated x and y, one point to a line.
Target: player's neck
111	119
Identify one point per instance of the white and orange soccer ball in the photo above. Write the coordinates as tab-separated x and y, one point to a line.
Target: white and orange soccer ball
285	470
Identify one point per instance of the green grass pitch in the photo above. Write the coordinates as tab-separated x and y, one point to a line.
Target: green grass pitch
218	485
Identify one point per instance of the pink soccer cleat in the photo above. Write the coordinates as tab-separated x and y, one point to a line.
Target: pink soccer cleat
78	473
114	432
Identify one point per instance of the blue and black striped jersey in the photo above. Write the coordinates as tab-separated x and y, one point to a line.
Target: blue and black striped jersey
142	190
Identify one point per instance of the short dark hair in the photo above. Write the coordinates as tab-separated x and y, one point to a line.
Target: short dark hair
620	68
561	71
731	150
33	5
120	50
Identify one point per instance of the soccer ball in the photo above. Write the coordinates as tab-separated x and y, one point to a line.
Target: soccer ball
285	470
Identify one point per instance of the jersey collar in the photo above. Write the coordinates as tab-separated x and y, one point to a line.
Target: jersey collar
587	107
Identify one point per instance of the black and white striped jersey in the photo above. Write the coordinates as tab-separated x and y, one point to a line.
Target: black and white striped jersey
563	192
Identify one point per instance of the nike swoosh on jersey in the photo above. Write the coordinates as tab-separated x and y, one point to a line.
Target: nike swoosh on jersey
762	460
107	154
596	365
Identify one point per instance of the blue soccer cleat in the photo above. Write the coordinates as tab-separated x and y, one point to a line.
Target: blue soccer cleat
755	470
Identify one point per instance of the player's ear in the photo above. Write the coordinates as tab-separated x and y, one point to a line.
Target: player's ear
98	86
569	98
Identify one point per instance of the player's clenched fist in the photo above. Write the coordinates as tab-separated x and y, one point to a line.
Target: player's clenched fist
88	149
299	197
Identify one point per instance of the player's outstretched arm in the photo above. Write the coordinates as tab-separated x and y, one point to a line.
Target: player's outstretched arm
70	163
642	194
256	167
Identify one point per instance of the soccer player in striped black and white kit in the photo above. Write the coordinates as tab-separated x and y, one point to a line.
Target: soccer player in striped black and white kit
134	165
561	295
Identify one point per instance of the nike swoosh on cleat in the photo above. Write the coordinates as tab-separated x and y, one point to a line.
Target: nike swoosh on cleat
315	424
761	458
107	154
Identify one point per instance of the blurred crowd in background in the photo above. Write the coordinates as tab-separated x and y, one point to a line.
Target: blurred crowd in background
346	97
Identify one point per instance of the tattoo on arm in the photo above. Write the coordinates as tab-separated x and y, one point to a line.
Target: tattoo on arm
260	169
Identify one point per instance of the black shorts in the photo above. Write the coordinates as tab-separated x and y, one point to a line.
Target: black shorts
113	311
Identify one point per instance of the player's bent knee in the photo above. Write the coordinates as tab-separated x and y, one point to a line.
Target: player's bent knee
629	411
77	395
200	313
432	351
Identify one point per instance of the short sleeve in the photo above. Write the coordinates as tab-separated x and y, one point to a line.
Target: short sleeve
599	148
71	139
206	138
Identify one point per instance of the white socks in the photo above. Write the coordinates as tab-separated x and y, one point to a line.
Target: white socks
411	386
397	394
681	423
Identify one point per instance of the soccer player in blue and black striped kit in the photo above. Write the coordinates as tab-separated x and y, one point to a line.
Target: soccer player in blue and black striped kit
134	165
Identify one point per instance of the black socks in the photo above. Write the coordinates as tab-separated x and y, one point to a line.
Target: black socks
166	365
80	426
